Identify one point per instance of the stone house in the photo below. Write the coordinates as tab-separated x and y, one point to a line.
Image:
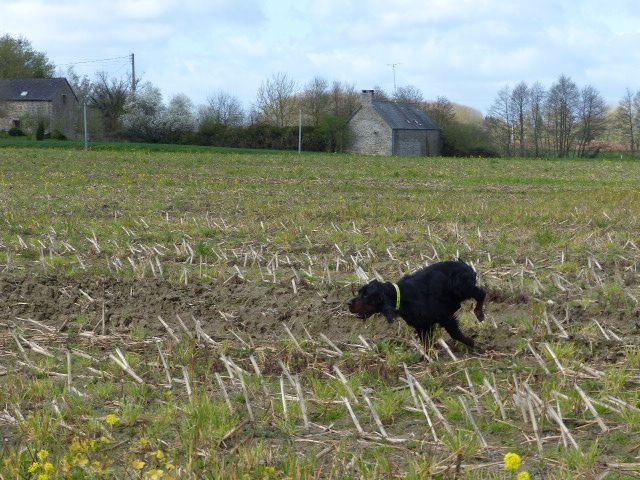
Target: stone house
26	101
389	128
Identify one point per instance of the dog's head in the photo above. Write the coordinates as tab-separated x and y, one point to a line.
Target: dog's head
374	297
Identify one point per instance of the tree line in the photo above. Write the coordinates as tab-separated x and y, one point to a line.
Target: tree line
563	121
526	120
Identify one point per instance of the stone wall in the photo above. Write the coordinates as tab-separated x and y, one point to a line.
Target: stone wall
27	114
410	143
371	135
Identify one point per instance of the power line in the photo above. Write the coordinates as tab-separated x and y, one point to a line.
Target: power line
95	61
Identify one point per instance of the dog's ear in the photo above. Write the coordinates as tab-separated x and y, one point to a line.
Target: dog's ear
388	306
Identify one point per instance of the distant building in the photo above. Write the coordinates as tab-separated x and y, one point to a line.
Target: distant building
26	101
389	128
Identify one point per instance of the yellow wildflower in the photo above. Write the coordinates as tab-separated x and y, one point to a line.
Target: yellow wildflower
524	476
512	461
44	476
159	454
154	474
43	455
111	419
269	472
138	464
48	467
35	466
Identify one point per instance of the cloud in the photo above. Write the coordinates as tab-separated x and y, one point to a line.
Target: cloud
466	50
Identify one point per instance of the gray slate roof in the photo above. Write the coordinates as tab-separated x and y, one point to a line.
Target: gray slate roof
37	89
404	116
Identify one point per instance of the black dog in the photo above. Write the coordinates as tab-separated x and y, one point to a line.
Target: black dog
428	297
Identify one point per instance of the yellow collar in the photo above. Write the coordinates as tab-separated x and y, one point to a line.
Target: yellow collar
395	285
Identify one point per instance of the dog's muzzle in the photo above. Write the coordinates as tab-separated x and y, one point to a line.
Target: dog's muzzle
360	309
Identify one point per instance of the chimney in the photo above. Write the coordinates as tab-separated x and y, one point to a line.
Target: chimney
367	96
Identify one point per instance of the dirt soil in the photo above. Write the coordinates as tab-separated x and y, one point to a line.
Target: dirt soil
251	309
254	309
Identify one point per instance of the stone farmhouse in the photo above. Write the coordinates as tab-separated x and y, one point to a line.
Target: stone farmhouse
26	101
390	128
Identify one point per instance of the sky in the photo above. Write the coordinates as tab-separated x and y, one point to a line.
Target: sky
465	50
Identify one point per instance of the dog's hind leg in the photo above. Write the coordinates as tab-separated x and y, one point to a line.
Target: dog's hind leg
478	295
452	328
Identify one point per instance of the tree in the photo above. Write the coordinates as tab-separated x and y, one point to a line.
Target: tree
19	59
519	104
441	111
343	100
561	111
142	113
536	120
82	86
408	94
591	118
314	101
275	101
177	120
500	123
223	109
109	97
627	119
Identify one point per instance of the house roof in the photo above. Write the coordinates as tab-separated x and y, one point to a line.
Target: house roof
33	89
404	116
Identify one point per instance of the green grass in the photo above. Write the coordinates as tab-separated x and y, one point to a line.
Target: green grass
132	232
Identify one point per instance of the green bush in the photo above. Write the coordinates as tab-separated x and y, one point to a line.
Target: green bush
40	131
16	132
58	135
466	140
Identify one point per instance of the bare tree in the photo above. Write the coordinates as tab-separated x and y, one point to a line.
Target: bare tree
109	97
408	94
275	101
591	118
627	118
314	100
561	110
224	109
500	122
82	86
441	111
519	106
536	119
343	100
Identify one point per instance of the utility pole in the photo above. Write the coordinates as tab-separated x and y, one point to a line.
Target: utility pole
86	132
300	132
133	73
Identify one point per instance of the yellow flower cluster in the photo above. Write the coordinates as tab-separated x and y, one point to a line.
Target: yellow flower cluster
79	455
111	419
159	467
512	462
42	469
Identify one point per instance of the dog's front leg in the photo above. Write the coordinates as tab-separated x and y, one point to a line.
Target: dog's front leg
389	313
